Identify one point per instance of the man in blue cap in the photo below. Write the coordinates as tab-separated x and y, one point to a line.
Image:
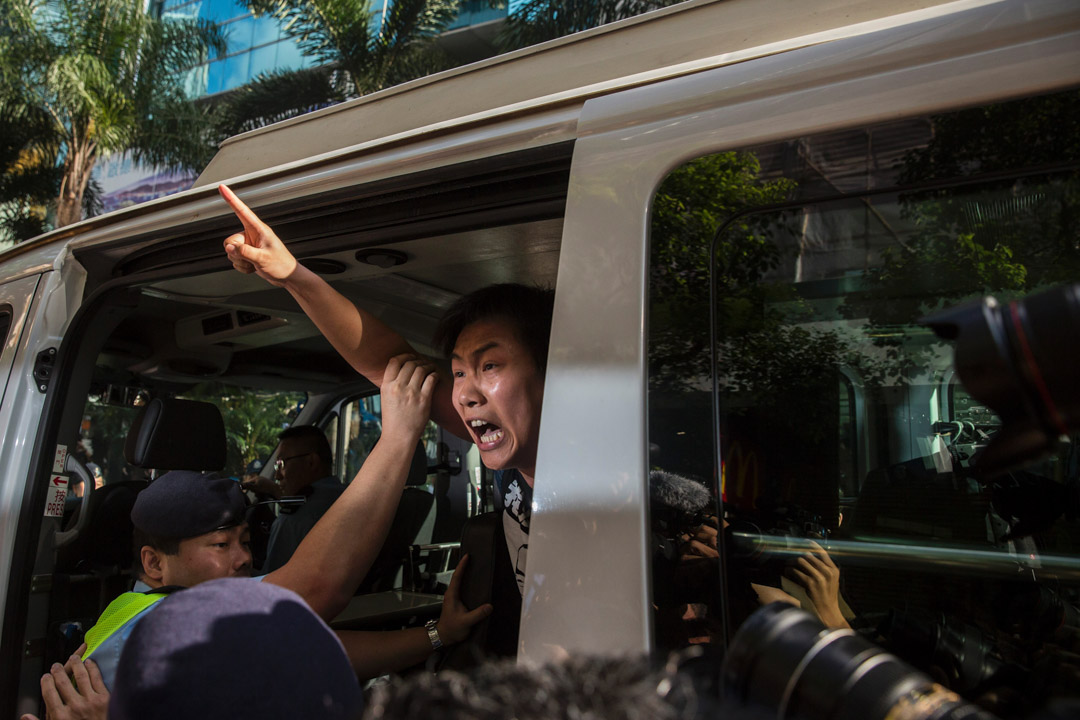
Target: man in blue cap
190	529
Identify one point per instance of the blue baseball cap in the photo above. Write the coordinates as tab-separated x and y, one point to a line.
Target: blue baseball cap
183	504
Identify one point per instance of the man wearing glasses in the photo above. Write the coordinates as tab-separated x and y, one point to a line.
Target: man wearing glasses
303	468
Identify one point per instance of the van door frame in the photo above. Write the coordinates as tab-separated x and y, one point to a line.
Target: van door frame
587	585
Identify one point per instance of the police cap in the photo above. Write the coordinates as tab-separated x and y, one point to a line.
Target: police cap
183	504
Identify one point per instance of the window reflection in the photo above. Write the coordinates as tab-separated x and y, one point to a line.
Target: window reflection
262	60
239	33
266	30
846	448
255	45
237	70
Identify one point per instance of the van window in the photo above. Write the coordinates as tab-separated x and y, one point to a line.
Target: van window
5	325
359	420
787	284
253	417
5	322
360	424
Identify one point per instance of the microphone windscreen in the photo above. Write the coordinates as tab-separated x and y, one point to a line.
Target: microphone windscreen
677	492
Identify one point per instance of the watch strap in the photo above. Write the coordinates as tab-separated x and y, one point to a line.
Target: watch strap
433	634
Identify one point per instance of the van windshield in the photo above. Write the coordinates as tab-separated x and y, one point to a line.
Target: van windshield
253	419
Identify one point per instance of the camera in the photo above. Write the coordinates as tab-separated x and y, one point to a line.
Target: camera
784	660
762	545
1019	359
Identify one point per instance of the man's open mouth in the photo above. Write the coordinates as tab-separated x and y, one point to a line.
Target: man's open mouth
486	432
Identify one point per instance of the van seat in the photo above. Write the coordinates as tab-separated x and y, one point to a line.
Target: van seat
413	524
174	434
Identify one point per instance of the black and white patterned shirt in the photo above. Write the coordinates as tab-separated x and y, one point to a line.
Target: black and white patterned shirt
515	497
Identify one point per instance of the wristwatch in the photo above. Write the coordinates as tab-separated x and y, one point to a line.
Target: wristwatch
433	634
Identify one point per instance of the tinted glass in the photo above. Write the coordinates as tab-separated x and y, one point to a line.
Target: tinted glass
240	34
262	60
212	10
845	450
5	322
360	425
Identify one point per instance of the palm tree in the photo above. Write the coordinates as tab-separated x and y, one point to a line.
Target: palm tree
357	52
536	21
107	77
29	178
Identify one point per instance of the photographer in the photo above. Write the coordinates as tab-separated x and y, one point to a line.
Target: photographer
818	576
686	542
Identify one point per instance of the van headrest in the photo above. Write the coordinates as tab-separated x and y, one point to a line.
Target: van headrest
172	434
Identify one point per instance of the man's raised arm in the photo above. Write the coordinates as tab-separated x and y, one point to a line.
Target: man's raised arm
335	556
363	340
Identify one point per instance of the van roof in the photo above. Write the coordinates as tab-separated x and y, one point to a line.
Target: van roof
680	39
557	75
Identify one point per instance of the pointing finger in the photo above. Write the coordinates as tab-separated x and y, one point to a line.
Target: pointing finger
247	216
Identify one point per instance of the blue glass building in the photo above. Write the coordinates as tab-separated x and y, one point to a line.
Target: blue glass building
257	45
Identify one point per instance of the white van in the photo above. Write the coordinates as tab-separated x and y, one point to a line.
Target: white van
744	207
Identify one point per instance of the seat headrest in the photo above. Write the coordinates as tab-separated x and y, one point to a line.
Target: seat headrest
172	434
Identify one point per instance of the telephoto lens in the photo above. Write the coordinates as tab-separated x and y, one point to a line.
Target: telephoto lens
784	659
1020	359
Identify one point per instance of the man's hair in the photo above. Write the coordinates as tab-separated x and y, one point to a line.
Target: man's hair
584	688
527	309
140	539
315	437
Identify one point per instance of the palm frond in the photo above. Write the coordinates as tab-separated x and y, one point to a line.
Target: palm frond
325	30
374	52
109	77
273	97
404	48
537	21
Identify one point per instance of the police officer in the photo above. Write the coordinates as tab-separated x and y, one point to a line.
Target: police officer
190	529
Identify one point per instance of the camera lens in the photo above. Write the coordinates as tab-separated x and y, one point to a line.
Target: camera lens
1018	358
784	659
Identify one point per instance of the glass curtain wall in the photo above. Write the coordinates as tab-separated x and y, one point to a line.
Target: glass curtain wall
255	45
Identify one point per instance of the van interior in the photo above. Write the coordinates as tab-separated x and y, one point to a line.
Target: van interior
174	320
